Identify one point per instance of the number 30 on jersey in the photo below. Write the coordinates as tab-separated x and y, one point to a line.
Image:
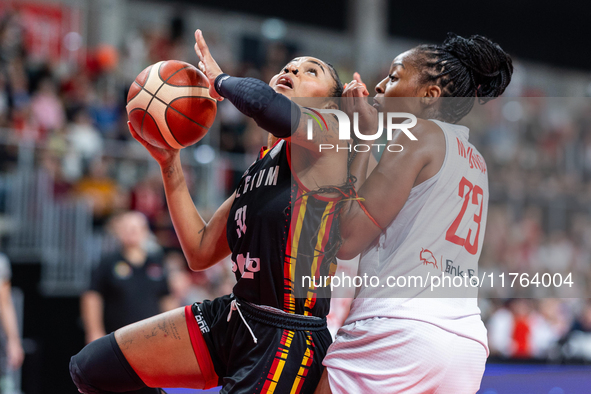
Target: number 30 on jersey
240	218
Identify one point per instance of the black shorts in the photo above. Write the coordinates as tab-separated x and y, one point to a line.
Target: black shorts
287	357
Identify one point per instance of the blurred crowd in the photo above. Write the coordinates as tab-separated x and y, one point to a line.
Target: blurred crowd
73	117
538	154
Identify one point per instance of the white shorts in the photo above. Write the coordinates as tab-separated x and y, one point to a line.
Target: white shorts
385	355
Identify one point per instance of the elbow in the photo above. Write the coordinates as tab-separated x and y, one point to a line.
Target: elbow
200	262
195	264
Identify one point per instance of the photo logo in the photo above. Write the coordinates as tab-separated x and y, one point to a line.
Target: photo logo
409	121
315	115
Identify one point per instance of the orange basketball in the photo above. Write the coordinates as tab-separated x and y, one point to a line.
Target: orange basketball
169	104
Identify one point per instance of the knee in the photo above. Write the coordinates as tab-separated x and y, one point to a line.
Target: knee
101	368
82	383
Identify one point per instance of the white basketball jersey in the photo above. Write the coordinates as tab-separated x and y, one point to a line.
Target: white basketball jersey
438	233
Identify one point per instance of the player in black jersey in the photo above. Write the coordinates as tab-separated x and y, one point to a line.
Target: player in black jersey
265	337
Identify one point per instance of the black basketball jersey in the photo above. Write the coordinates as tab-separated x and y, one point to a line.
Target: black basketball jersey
281	238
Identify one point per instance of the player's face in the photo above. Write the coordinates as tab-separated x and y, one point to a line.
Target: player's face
304	77
401	81
132	230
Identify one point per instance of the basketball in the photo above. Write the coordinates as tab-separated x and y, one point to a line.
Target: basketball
169	104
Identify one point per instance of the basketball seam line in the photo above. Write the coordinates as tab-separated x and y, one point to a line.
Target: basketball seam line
153	97
168	105
181	86
184	86
180	113
163	102
174	109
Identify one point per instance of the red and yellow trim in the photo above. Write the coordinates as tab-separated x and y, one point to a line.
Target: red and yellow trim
304	366
277	367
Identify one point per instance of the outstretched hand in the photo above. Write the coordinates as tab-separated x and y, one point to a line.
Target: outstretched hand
355	101
162	156
207	64
355	88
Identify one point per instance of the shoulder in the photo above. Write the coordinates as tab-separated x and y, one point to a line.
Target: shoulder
429	140
426	152
428	131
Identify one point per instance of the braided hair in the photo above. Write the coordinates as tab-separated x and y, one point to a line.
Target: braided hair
467	68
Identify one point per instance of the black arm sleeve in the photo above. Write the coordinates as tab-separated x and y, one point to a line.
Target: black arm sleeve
270	110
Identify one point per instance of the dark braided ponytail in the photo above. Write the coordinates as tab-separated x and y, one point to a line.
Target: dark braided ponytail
465	68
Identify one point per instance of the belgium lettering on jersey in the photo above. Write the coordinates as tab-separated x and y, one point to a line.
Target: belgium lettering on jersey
260	178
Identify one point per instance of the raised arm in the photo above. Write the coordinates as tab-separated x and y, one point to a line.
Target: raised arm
388	186
203	243
355	101
273	112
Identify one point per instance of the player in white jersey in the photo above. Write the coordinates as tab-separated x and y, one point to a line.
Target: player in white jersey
425	215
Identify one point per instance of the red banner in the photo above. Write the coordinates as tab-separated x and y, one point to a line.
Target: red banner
45	29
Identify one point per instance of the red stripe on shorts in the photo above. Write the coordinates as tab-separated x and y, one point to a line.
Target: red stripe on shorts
201	351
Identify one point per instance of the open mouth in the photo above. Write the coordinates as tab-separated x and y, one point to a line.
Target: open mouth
285	82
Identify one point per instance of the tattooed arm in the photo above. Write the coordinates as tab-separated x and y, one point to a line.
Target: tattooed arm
203	243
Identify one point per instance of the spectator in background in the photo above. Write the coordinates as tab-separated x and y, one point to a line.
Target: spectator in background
100	189
51	164
518	330
181	281
578	340
85	140
106	112
20	116
12	349
78	91
187	286
47	108
4	100
127	286
147	197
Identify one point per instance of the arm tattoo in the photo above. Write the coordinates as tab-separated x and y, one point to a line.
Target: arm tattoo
169	171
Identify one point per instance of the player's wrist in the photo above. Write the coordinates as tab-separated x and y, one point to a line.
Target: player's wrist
171	167
170	158
219	80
